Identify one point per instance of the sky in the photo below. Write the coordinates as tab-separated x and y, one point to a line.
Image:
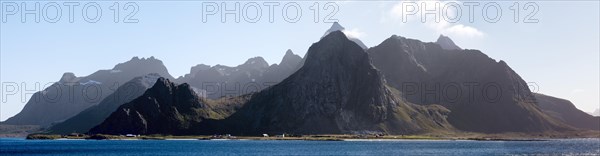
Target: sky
554	44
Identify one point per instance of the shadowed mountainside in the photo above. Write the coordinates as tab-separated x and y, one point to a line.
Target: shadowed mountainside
483	95
72	94
566	112
88	118
167	108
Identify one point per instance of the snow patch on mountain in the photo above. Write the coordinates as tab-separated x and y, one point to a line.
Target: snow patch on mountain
90	82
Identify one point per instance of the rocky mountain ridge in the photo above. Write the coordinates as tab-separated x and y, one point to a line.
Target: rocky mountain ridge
72	94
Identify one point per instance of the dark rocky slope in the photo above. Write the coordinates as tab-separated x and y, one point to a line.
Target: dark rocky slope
337	91
566	112
483	95
87	119
167	108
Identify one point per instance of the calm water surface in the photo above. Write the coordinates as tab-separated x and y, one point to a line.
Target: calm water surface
11	146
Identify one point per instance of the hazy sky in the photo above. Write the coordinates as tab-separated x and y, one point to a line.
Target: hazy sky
560	53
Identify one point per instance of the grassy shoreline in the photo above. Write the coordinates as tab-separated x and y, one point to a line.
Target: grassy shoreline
336	137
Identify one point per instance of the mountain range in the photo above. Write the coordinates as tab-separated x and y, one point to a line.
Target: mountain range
252	76
336	91
72	94
401	86
206	81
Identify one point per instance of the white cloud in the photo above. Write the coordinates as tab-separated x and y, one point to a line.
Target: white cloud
462	30
458	30
442	27
354	33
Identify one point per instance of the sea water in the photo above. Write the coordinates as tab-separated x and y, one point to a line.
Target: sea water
12	146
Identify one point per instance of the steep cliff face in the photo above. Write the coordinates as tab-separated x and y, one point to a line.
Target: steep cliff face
166	108
483	95
336	91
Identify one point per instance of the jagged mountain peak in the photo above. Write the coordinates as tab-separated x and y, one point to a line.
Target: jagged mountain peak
68	77
138	62
400	40
151	58
290	59
334	27
335	48
446	43
337	27
199	67
288	52
328	50
256	62
141	66
195	69
163	84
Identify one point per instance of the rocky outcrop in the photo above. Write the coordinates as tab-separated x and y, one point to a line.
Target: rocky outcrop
166	108
446	43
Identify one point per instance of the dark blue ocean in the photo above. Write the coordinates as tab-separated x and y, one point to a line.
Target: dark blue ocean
9	146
